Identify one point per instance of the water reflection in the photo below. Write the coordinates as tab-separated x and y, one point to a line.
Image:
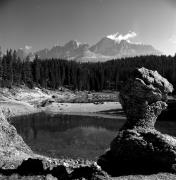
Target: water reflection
72	136
67	136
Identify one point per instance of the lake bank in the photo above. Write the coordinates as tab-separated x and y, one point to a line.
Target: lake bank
20	101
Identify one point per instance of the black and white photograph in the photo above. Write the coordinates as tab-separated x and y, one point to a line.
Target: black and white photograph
88	89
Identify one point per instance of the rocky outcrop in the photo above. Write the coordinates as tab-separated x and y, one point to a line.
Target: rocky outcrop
139	147
144	97
12	147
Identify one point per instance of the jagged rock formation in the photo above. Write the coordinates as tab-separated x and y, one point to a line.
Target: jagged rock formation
139	147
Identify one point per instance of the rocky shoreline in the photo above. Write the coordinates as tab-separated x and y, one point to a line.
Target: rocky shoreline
17	158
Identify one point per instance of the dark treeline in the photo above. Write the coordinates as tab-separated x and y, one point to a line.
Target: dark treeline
55	73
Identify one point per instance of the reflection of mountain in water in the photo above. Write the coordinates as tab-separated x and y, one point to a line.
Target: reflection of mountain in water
59	123
65	136
73	136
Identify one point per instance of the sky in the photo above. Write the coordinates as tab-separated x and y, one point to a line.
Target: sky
38	24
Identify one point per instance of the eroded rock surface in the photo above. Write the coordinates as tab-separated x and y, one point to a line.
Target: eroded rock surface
12	147
139	147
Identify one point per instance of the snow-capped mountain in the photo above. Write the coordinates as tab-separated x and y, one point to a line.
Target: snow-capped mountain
69	51
109	47
73	50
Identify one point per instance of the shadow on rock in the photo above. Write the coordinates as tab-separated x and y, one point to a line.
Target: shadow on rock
138	147
32	167
36	167
91	173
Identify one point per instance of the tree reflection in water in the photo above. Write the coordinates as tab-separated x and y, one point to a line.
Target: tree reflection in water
72	136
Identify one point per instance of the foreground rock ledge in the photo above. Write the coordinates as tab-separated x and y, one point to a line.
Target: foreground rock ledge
139	147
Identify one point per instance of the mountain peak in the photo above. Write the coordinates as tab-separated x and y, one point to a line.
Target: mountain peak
73	43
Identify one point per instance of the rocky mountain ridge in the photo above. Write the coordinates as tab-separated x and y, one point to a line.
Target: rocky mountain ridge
109	47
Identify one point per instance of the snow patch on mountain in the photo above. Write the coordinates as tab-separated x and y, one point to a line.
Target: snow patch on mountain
119	37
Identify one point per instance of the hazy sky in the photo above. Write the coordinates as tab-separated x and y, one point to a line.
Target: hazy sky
44	23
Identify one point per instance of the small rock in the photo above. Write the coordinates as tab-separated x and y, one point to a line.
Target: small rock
59	172
50	177
31	166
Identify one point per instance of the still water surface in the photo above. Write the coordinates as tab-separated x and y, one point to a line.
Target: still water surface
73	136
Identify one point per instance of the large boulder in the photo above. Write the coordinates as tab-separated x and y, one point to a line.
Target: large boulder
138	146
